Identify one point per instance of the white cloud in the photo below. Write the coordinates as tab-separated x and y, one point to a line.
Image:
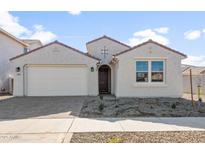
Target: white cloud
195	60
74	12
144	35
192	35
12	25
162	30
42	34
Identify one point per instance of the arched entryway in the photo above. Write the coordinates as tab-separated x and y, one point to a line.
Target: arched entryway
104	79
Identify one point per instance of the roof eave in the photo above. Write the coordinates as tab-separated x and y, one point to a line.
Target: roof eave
104	36
13	37
24	54
151	41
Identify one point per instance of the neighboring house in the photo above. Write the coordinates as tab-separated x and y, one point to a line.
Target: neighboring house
110	67
198	79
9	46
33	44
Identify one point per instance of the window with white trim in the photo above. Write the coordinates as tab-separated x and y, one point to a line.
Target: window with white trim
150	71
157	71
142	71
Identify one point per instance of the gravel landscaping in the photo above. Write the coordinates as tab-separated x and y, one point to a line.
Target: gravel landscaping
95	107
140	137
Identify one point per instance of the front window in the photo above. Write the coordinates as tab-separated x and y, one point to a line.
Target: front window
150	71
157	71
142	71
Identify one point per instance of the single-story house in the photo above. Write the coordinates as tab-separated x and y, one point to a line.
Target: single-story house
198	79
149	69
11	46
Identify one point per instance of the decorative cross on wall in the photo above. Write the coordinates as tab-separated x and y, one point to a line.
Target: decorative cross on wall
104	52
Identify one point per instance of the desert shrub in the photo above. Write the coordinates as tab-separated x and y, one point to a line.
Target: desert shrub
173	106
101	97
101	107
200	111
115	140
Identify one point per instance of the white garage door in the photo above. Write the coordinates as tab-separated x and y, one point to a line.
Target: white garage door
56	81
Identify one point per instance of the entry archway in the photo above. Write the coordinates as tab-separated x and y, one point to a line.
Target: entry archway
104	79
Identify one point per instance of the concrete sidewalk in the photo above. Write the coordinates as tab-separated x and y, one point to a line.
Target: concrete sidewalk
101	125
60	130
138	124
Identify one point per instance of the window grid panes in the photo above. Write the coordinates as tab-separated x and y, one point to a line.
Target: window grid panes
142	71
149	71
157	71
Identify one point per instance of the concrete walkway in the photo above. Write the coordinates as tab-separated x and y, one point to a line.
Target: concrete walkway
61	130
137	124
101	125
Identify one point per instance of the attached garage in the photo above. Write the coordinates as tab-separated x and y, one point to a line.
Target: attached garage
66	80
55	70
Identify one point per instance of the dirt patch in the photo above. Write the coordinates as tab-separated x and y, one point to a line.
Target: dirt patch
141	107
140	137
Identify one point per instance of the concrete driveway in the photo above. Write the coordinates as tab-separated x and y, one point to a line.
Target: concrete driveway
54	119
38	119
40	107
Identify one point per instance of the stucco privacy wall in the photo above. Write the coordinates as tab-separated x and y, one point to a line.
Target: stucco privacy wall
55	54
95	49
8	48
126	73
196	80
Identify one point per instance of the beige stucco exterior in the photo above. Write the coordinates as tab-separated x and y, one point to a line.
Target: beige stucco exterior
54	54
96	49
33	44
126	85
123	71
9	47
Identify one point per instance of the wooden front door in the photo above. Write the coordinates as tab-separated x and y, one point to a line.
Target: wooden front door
104	79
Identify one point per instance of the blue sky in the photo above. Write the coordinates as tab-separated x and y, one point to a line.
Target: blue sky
183	31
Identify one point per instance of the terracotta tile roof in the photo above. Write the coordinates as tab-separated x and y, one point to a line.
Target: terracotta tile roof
55	42
151	41
109	38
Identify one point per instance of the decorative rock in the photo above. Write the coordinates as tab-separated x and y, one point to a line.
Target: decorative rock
134	107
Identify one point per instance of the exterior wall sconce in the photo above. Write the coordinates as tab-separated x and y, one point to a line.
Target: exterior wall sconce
18	69
92	69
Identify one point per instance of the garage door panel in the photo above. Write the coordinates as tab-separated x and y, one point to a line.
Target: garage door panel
57	81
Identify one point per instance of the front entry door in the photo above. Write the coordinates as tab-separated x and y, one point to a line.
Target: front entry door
103	79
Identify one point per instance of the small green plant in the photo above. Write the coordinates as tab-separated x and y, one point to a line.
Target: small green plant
100	102
101	97
101	106
174	106
115	140
200	111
